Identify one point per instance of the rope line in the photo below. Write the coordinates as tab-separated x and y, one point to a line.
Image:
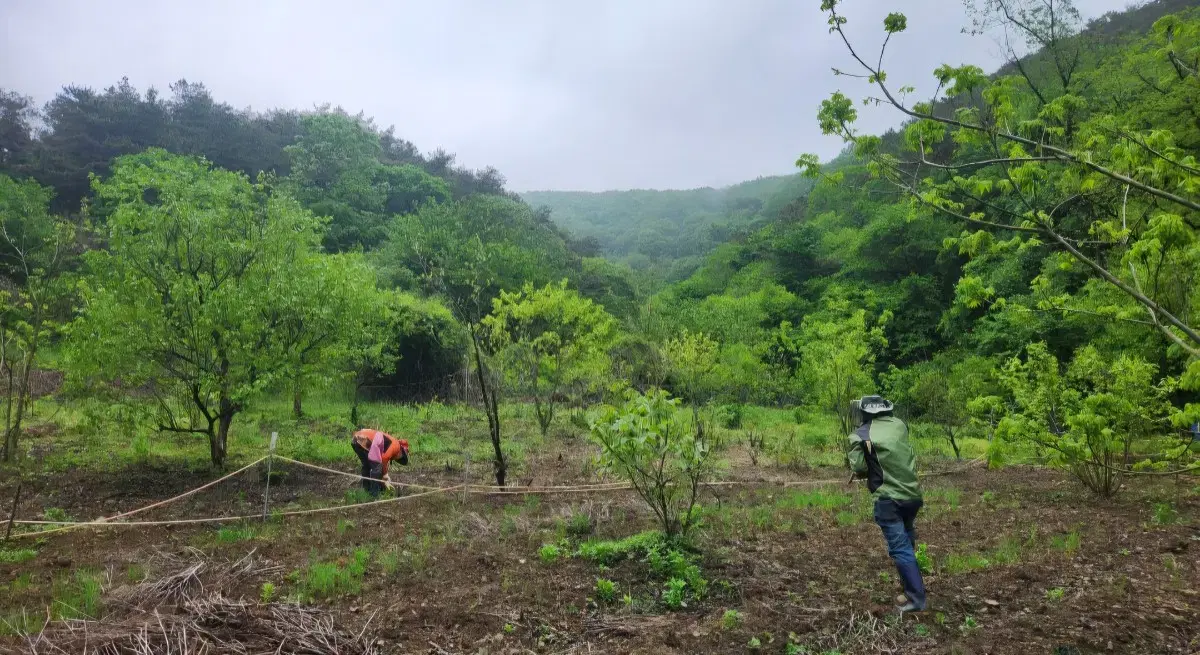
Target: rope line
182	495
350	475
112	521
220	519
476	488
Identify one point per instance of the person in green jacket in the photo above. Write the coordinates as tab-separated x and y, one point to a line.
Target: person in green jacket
880	451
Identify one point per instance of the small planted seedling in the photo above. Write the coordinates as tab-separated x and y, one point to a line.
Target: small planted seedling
673	596
969	625
606	591
549	553
754	644
731	619
922	630
1055	595
1068	543
267	593
924	561
1165	514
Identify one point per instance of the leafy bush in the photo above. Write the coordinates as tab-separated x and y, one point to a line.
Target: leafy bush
1165	514
606	591
673	595
18	556
549	553
731	619
956	564
323	580
1089	417
646	444
78	595
56	514
580	524
232	535
609	553
731	416
1067	543
924	561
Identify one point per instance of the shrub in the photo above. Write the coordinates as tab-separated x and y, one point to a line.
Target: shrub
1164	514
606	591
924	561
580	524
330	579
78	596
956	564
730	417
673	595
1102	410
731	619
233	535
18	556
1067	543
608	553
549	553
646	444
56	514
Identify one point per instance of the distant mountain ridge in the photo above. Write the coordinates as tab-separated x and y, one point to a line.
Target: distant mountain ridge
653	229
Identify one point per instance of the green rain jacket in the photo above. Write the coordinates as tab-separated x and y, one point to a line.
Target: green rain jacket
889	440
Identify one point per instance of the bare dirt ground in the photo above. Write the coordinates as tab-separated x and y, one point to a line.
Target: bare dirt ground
466	577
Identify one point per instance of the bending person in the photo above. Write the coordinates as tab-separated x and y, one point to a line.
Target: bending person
880	450
376	450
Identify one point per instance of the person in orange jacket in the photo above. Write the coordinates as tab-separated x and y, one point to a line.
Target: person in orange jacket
376	450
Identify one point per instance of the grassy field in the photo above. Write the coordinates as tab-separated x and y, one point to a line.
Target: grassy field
787	559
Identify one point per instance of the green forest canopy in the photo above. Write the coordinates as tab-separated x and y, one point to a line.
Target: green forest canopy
978	245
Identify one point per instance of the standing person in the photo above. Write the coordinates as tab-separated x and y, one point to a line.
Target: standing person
880	451
376	450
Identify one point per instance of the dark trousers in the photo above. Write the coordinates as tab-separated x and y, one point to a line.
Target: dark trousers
897	520
372	470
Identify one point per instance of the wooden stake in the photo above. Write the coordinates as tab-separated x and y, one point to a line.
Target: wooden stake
267	491
13	514
466	477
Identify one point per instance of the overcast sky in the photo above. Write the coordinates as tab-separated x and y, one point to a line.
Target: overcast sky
557	94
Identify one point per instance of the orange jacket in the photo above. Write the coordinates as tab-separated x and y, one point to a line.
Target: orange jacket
394	449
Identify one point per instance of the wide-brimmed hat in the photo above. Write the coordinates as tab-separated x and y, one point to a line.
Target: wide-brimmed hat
875	405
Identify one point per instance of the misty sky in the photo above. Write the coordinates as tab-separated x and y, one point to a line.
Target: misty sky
557	94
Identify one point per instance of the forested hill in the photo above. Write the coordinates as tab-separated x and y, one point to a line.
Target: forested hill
667	231
998	270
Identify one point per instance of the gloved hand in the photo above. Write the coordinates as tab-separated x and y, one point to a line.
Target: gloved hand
387	480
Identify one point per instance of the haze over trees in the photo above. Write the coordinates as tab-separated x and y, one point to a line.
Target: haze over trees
1042	214
627	411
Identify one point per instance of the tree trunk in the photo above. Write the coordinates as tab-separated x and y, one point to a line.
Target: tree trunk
545	414
492	409
954	444
17	414
298	398
217	440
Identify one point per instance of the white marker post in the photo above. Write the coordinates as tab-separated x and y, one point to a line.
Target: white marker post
270	461
466	476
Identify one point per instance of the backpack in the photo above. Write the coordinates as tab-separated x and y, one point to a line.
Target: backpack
874	469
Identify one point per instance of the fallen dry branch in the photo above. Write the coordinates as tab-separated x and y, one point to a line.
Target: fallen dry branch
212	624
187	612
